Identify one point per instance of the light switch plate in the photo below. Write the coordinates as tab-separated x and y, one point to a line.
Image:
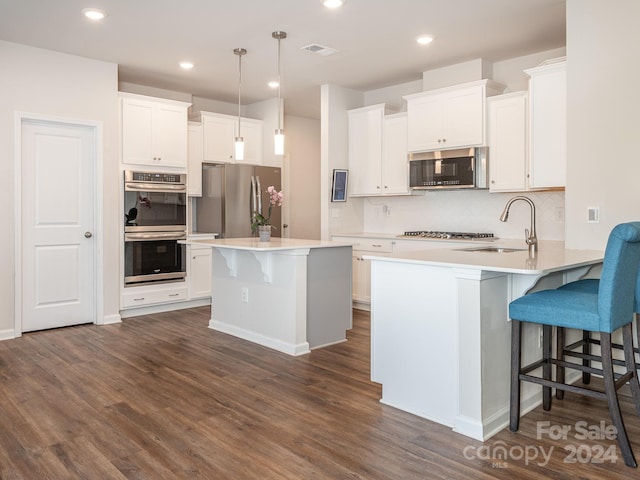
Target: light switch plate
593	214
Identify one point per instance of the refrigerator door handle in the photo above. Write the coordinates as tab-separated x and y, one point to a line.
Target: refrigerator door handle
259	194
253	198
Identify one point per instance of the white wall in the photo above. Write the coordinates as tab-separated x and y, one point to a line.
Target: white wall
303	165
54	84
334	146
603	47
464	211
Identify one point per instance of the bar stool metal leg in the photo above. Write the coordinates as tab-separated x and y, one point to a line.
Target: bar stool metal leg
612	399
516	345
560	343
547	331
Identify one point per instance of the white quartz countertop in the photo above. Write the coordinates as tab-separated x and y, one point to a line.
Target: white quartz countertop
276	243
551	256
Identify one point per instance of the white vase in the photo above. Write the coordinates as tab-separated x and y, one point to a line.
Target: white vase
265	232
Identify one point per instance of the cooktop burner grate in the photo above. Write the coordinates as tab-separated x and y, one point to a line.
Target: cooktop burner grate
447	235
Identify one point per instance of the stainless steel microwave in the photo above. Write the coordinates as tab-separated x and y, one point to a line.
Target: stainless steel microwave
449	169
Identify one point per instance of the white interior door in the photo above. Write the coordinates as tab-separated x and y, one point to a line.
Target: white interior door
58	162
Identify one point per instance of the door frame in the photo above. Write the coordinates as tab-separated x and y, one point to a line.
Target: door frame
98	259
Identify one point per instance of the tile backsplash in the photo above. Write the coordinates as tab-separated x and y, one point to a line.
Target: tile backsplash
466	211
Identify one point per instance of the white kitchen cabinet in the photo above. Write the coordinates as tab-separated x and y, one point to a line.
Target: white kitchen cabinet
361	268
377	152
154	131
252	131
508	146
447	118
395	166
219	133
548	124
365	149
146	295
194	171
199	271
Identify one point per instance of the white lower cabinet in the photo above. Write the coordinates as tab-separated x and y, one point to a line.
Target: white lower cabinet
361	268
154	294
199	271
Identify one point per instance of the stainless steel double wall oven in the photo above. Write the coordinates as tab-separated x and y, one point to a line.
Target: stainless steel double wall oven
155	219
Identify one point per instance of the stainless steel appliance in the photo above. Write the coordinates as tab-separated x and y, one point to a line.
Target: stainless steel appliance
447	235
230	195
450	169
155	219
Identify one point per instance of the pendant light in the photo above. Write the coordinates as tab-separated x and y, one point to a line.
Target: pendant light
279	136
239	143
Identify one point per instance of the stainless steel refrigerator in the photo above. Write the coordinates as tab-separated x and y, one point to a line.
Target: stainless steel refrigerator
230	195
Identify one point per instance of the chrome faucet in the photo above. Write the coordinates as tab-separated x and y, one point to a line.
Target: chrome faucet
530	233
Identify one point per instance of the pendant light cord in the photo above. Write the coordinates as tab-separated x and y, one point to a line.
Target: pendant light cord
279	87
240	52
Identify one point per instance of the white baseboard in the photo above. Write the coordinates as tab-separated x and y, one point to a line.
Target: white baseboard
7	334
165	307
109	319
275	344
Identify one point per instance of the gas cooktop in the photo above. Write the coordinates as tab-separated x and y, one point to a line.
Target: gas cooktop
447	235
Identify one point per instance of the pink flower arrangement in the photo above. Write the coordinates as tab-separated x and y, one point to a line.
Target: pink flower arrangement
275	200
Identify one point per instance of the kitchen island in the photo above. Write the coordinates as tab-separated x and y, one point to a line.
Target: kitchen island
440	332
287	294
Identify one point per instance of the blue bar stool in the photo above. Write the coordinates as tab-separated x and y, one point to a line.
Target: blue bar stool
606	311
592	285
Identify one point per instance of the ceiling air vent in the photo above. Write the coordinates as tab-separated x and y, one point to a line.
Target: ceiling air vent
320	49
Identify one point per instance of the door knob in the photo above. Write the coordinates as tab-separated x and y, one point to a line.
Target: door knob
285	226
88	234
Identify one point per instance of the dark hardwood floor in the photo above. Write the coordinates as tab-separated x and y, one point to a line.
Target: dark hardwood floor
164	397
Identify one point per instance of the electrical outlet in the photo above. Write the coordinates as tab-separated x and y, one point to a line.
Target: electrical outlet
558	214
593	214
245	295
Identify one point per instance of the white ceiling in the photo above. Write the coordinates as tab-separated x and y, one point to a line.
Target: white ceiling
375	39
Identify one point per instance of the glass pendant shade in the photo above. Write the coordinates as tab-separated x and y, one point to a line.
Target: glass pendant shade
238	148
278	140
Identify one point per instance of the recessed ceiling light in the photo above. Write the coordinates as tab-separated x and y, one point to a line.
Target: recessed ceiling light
424	39
94	13
273	84
186	65
334	3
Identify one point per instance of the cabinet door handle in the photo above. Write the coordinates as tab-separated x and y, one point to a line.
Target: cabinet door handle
138	299
378	246
174	294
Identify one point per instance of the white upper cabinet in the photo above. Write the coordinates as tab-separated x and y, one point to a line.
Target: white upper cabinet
154	131
377	152
508	132
219	133
395	166
548	130
365	150
447	118
251	131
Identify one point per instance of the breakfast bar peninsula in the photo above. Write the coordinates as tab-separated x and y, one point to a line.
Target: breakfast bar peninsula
287	294
440	332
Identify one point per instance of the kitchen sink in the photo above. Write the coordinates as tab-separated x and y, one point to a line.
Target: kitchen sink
491	249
